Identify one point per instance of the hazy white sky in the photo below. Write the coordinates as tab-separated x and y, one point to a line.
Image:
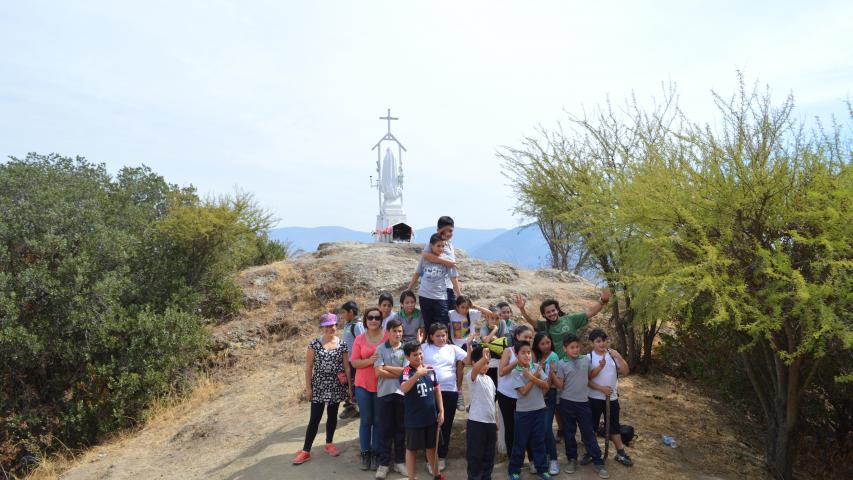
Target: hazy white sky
282	98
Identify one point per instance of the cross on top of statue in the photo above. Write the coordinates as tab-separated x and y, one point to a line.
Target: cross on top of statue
390	222
389	118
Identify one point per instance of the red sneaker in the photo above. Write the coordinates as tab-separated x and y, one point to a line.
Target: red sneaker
332	450
301	457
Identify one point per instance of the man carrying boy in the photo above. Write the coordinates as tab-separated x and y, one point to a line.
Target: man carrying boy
352	328
424	412
571	380
444	229
389	366
530	381
432	291
482	428
603	383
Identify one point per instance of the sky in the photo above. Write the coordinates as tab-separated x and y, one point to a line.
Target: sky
283	98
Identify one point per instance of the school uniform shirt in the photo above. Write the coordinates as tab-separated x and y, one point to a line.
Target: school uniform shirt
411	324
460	326
535	399
434	279
482	397
393	357
443	360
607	377
449	253
505	384
575	375
365	377
419	403
561	327
352	330
551	360
388	319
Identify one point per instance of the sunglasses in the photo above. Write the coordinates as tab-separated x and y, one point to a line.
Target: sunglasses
374	317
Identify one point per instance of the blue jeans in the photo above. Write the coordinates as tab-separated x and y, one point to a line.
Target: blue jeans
579	414
529	430
368	428
550	408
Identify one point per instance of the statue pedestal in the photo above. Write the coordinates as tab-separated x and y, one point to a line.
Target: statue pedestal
384	222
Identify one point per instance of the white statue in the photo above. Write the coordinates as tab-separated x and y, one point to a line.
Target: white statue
391	181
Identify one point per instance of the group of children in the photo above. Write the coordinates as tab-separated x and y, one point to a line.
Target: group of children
405	370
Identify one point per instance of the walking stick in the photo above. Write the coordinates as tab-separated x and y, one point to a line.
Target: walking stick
606	426
435	472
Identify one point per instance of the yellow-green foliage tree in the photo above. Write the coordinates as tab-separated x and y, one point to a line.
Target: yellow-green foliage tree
748	228
573	178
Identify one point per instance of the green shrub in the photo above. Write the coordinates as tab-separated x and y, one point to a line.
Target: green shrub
105	284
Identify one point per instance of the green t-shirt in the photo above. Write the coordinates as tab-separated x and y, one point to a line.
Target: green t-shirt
563	326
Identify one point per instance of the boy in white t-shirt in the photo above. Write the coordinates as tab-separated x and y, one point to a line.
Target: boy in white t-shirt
464	320
603	384
482	426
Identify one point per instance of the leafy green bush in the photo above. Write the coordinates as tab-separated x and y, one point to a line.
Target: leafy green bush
105	284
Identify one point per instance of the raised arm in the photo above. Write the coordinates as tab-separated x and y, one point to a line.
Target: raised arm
602	301
506	366
520	302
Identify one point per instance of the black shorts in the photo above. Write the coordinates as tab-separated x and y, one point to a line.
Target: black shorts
597	406
420	438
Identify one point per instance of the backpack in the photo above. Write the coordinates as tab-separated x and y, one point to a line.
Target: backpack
497	345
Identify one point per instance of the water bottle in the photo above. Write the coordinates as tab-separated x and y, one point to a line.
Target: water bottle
669	441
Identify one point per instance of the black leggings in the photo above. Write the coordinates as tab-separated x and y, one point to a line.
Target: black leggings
507	406
449	400
314	423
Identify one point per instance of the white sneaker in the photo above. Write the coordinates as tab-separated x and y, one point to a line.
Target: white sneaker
429	469
460	403
532	468
401	469
382	471
554	468
442	464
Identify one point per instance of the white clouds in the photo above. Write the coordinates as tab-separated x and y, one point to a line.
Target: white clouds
283	99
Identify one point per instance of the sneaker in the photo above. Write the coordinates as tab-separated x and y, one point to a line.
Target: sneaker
532	468
401	469
460	403
586	460
374	462
514	476
429	469
365	461
442	464
332	450
382	471
624	459
602	473
571	465
545	476
554	467
301	457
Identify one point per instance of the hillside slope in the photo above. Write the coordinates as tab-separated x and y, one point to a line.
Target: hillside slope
252	423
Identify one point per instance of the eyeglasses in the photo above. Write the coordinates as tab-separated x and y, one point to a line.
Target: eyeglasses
374	317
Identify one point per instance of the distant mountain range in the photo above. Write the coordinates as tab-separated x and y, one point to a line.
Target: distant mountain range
523	247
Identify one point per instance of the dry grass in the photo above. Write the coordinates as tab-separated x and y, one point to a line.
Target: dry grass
164	411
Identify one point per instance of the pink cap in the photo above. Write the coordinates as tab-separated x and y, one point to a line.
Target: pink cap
328	319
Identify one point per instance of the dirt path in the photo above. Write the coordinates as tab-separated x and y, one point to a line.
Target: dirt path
250	428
